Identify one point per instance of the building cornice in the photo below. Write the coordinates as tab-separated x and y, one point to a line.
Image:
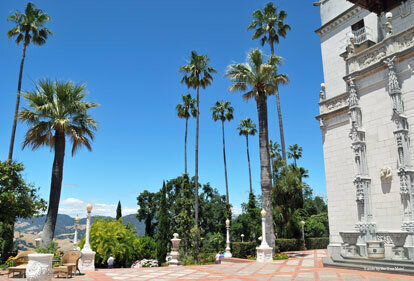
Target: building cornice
333	107
338	20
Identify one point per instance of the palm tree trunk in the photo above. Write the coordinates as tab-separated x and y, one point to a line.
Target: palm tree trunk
225	164
279	114
185	145
248	161
196	177
16	109
265	179
55	189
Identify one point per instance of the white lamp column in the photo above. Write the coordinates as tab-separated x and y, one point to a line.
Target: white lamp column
264	252
87	261
302	223
228	253
75	239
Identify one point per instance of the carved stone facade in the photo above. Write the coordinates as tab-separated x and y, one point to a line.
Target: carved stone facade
370	187
401	133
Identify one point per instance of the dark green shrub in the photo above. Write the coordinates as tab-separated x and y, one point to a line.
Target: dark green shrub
243	249
203	258
286	245
317	243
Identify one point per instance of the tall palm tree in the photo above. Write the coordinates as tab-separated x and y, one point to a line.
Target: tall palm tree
269	26
56	110
295	152
29	28
246	128
197	73
223	111
186	110
257	75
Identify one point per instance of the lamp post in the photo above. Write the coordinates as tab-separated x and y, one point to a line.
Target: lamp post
87	261
228	253
242	236
264	252
302	223
75	240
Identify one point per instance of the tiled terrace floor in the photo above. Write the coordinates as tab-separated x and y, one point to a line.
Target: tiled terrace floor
302	266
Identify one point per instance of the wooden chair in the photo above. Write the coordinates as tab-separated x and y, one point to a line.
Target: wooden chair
66	270
71	258
20	263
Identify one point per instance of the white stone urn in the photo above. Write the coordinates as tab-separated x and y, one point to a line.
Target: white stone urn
398	239
175	255
350	239
39	267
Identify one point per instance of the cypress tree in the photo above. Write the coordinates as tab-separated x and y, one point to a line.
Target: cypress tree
162	238
118	211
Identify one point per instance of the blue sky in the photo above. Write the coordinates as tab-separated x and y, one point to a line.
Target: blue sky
128	53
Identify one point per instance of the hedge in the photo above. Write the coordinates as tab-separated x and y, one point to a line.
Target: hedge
243	249
317	243
286	245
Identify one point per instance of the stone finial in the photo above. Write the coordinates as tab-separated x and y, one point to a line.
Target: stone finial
322	96
350	48
388	24
175	235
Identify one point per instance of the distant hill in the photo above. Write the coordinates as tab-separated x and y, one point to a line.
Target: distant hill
26	230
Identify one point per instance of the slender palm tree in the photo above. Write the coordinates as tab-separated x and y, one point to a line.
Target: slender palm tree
186	110
246	128
257	76
295	152
223	111
56	110
29	28
197	73
269	26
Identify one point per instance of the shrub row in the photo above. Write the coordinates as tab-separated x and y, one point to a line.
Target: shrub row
285	245
317	243
243	249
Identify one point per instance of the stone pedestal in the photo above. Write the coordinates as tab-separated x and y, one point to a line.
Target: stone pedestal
264	254
87	261
175	255
39	267
228	254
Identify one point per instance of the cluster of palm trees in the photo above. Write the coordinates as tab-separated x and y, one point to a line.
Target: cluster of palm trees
55	110
258	78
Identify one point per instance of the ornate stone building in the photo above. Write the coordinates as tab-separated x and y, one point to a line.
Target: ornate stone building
366	109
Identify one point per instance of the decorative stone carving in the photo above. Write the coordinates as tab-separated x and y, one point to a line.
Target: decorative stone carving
350	48
392	45
175	255
386	174
388	25
405	9
401	135
339	20
39	267
87	261
398	239
408	226
384	237
333	104
366	227
350	239
322	95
